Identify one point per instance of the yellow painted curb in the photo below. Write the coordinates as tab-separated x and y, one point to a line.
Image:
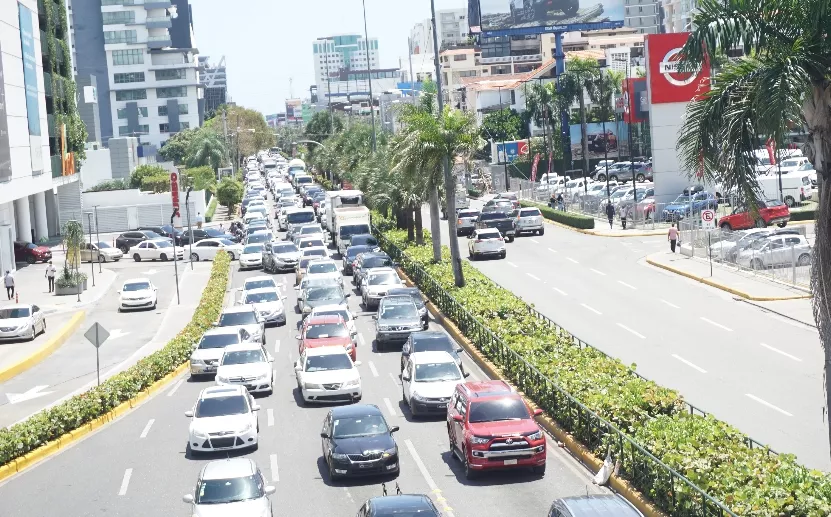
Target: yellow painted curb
723	287
576	448
44	451
52	344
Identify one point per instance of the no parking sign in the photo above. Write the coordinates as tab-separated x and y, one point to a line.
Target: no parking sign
708	219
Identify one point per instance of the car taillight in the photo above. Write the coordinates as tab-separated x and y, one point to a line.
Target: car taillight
459	221
478	240
501	239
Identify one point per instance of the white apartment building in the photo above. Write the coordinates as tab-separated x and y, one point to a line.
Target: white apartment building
644	16
336	54
452	27
154	89
678	15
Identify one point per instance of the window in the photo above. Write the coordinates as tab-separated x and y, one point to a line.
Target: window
125	130
460	57
184	125
119	17
120	37
131	95
169	75
167	93
183	110
164	128
122	112
131	56
130	77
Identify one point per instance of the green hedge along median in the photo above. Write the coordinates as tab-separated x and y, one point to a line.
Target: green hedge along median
567	218
709	452
209	213
67	416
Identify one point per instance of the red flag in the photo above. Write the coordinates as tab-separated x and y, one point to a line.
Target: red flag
550	161
770	145
534	168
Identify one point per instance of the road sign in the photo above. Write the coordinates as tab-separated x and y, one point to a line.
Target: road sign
97	335
708	219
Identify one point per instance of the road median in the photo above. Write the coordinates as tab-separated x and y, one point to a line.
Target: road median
45	350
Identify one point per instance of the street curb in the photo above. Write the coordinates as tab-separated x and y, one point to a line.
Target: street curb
52	344
591	232
577	449
49	449
723	287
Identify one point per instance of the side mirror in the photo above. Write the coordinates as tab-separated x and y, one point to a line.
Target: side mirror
297	288
270	490
394	429
375	317
354	316
347	294
459	350
458	418
189	414
255	407
297	366
324	435
537	412
466	374
297	337
188	498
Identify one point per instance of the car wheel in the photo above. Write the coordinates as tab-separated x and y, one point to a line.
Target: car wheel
640	177
757	264
450	445
469	472
231	255
102	258
760	223
539	470
43	326
542	231
503	254
163	257
194	257
137	257
601	177
124	249
790	201
403	397
726	227
803	260
33	335
412	409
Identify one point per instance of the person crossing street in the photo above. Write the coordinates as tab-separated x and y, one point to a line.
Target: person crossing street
50	276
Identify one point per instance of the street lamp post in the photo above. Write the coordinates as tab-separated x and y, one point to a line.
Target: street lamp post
97	235
369	68
91	263
175	262
190	229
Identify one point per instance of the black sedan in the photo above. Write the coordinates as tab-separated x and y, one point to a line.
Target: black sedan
357	441
218	234
399	504
351	255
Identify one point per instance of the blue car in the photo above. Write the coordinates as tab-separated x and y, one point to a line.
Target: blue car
684	207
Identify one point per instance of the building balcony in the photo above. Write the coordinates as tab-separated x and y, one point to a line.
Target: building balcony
156	4
530	58
158	41
158	22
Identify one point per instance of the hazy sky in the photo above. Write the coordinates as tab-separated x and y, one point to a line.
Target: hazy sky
266	42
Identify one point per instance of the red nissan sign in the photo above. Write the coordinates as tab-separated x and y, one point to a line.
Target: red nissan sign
174	189
522	147
666	84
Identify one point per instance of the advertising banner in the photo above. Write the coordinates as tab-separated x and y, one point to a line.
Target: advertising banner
666	84
534	168
633	90
510	148
30	84
600	143
505	17
5	151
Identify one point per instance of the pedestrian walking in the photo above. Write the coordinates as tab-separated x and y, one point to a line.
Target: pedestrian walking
50	276
199	220
623	214
561	204
610	213
672	237
8	281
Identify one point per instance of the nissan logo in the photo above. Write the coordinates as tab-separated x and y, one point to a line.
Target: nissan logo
668	67
509	441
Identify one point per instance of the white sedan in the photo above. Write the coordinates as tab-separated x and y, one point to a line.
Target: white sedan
246	365
155	249
207	249
138	293
251	257
21	320
224	418
327	374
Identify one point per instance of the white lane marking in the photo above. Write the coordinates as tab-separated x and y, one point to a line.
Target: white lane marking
361	339
635	250
571	259
621	282
290	358
390	407
125	482
372	368
270	415
535	241
593	310
275	471
688	363
552	250
560	291
175	387
511	263
671	304
601	273
277	347
719	325
395	380
532	276
768	404
348	494
624	327
446	510
147	428
781	352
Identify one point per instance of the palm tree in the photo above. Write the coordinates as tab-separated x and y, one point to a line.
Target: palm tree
543	103
206	148
782	81
581	75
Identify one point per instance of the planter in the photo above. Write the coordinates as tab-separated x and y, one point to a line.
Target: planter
85	284
64	291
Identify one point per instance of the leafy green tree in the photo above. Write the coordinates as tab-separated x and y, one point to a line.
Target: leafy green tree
206	148
143	171
229	193
248	131
157	183
176	148
201	178
110	185
784	80
323	125
503	125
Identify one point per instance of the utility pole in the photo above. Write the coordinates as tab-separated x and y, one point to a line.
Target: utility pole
238	143
225	134
504	147
412	78
369	68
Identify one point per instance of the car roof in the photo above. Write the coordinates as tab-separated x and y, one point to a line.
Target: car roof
489	388
356	410
401	502
222	391
431	356
137	280
325	350
429	335
408	291
243	347
603	505
228	468
322	260
380	270
397	299
238	308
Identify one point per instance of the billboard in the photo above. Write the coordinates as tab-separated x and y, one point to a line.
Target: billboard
516	17
634	105
611	144
666	84
294	109
514	150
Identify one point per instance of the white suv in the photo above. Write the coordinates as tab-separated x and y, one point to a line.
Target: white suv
485	241
529	220
223	418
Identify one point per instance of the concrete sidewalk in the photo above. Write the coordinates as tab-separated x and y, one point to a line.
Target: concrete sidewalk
31	286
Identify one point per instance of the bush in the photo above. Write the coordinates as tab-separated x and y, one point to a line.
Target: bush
804	215
107	186
56	421
143	171
712	454
474	193
567	218
229	193
209	213
157	183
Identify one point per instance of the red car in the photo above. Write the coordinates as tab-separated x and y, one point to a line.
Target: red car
31	253
491	427
771	211
328	330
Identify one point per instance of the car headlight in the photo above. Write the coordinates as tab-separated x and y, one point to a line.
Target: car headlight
339	456
312	386
263	376
416	396
197	362
353	382
390	452
349	346
198	433
479	440
535	436
246	428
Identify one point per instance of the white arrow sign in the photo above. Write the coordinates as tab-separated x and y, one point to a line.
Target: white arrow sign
33	393
116	333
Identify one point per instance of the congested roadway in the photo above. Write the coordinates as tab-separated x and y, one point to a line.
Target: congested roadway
138	465
751	368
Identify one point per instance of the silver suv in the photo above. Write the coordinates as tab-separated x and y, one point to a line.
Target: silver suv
529	220
466	222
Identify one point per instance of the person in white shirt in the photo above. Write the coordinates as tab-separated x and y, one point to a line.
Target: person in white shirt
8	281
50	276
199	220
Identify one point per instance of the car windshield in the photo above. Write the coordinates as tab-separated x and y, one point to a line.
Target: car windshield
103	245
213	232
269	296
311	243
260	283
243	357
324	330
508	408
492	215
354	229
354	251
253	249
153	235
468	214
371	262
323	293
259	238
163	244
300	217
232	490
232	319
682	199
218	341
368	240
19	312
437	372
326	267
322	363
383	278
398	311
136	286
528	212
488	235
354	427
221	406
226	242
308	230
284	248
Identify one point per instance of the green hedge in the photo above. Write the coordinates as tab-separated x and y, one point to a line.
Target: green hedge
804	215
56	421
568	218
474	193
711	453
209	213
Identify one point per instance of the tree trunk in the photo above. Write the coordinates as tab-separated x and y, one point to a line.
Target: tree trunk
400	222
450	199
419	226
584	137
410	226
435	224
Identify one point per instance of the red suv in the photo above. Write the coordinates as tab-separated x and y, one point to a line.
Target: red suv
330	330
491	427
771	211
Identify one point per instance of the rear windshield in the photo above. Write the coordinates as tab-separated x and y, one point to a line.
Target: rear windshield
527	212
468	213
372	262
492	215
355	229
300	217
233	319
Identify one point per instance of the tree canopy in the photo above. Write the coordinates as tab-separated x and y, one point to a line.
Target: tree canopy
247	129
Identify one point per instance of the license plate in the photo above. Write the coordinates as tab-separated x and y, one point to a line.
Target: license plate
210	368
510	462
440	406
364	465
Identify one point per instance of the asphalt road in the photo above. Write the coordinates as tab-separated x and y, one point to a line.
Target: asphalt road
137	466
757	371
73	365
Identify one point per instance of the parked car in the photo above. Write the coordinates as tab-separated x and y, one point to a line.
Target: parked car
776	250
21	321
686	205
100	252
770	211
486	242
361	444
127	240
193	235
156	249
207	249
31	253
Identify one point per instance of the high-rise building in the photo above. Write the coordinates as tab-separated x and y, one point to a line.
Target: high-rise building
346	52
144	61
644	15
678	15
214	80
452	26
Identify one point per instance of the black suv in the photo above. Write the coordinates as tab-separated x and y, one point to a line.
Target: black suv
165	231
127	240
198	235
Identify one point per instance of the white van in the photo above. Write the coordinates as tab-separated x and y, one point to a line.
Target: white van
796	187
